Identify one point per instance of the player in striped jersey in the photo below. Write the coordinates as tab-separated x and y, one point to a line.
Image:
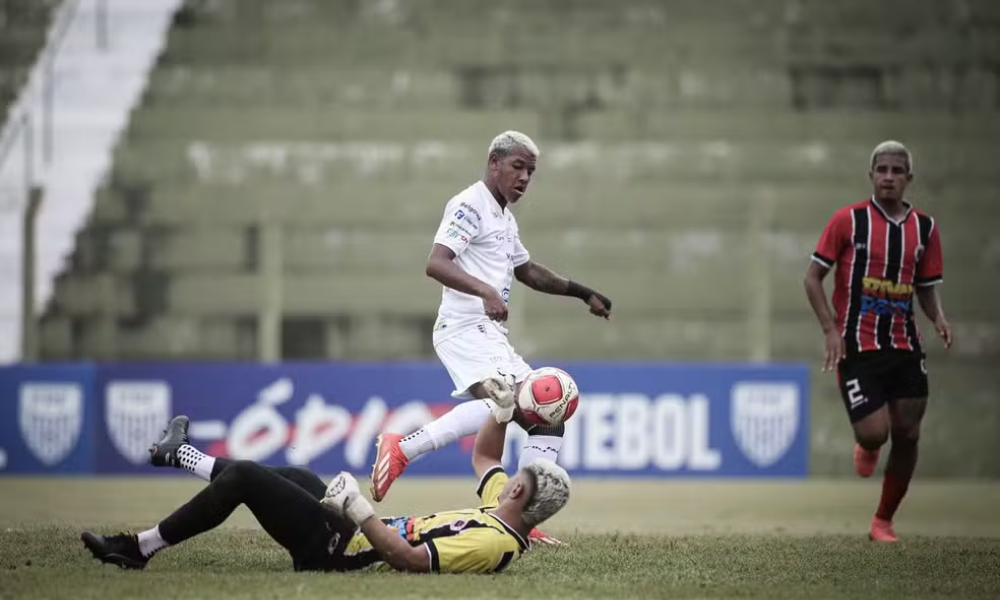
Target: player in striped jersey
885	251
334	528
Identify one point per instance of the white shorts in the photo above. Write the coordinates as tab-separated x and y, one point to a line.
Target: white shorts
476	351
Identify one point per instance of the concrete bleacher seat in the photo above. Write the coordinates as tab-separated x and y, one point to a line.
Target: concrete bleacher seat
679	168
23	25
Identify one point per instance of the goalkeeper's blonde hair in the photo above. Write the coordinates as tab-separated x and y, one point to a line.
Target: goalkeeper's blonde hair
551	491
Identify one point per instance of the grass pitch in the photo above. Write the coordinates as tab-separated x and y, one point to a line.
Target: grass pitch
627	539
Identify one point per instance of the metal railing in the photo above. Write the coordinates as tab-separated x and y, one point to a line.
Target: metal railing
20	126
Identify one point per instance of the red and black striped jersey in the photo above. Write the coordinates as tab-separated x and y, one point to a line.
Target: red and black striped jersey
879	262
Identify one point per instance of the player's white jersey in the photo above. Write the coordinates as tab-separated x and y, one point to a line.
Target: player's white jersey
487	246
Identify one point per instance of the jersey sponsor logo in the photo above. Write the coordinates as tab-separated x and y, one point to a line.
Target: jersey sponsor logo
136	413
460	227
462	219
50	417
505	294
403	526
453	232
764	420
470	210
884	297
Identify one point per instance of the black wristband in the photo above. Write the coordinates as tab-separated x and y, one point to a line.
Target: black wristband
578	291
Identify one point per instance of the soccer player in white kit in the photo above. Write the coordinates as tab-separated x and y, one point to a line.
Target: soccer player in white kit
477	253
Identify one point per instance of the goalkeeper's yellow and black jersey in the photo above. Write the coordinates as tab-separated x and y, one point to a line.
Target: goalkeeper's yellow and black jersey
457	541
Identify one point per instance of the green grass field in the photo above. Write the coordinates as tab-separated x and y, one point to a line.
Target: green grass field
627	539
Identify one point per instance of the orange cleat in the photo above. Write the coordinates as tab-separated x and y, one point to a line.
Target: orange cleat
865	461
390	462
536	536
881	531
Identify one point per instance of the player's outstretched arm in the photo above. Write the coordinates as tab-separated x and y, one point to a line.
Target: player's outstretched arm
442	268
396	552
343	497
543	279
487	454
835	348
930	302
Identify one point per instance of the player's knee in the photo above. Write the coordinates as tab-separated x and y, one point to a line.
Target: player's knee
240	471
872	439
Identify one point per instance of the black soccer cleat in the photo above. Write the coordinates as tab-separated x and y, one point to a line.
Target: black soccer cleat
164	452
121	549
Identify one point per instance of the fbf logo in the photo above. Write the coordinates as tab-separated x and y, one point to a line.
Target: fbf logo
136	413
765	420
51	418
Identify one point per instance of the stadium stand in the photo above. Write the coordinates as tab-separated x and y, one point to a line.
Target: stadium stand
692	152
22	34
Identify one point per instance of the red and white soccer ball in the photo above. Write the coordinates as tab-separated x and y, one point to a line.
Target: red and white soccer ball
548	397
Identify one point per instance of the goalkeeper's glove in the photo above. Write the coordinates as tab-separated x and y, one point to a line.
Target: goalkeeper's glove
343	496
500	388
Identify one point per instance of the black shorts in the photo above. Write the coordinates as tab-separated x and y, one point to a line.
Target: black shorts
870	380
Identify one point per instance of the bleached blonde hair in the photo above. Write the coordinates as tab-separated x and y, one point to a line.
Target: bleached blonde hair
551	491
892	148
506	142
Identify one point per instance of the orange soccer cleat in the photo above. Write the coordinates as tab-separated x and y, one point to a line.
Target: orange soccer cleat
390	462
881	531
865	461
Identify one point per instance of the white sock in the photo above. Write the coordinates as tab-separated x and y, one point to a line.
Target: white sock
465	419
539	446
196	461
150	542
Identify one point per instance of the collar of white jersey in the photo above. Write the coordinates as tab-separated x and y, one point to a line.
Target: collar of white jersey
485	191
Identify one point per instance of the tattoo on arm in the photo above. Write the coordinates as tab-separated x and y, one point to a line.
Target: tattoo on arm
542	279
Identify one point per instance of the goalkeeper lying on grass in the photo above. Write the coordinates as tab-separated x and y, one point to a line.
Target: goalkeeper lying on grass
334	528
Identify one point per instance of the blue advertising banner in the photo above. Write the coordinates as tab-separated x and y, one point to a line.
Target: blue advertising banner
645	419
46	419
324	416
